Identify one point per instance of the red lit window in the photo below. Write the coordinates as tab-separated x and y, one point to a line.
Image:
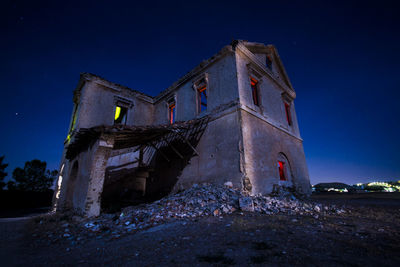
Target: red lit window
288	115
172	112
281	168
202	98
254	91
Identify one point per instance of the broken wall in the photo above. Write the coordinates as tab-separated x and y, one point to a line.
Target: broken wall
83	179
98	103
74	189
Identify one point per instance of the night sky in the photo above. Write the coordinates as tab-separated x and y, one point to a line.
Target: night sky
342	58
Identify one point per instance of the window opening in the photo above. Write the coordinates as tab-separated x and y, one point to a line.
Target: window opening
281	168
74	117
268	62
172	111
120	115
254	91
202	98
73	123
288	115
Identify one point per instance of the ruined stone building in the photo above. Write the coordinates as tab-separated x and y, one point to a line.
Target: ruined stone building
231	118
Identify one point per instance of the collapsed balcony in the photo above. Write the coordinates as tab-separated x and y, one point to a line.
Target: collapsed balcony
142	164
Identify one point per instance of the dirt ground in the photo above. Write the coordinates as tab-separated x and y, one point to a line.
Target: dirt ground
367	236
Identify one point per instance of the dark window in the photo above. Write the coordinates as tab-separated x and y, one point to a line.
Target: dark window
254	91
281	168
268	62
202	98
172	108
288	115
120	115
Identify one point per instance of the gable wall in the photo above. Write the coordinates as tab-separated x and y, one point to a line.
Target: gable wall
266	133
270	95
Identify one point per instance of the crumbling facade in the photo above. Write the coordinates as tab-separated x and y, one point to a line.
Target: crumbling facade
232	118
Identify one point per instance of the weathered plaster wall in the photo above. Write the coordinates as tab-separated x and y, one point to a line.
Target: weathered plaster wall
219	159
271	102
59	200
80	189
262	57
266	133
124	157
262	144
142	113
101	151
88	185
161	115
98	102
221	89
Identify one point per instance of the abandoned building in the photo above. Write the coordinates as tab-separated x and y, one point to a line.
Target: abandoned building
231	118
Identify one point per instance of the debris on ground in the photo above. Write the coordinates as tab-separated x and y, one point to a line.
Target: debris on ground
197	201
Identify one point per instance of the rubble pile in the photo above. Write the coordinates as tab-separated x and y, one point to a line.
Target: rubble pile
204	200
199	200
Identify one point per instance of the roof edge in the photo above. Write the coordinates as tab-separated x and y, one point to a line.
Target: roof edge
195	71
90	76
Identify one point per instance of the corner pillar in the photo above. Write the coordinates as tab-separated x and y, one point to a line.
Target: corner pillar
102	150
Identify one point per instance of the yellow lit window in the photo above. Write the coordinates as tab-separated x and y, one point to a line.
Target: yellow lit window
120	115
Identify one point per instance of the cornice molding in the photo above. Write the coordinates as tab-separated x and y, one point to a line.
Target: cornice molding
265	119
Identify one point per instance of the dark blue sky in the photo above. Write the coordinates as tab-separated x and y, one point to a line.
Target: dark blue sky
342	58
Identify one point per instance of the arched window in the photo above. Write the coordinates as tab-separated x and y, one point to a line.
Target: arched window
283	167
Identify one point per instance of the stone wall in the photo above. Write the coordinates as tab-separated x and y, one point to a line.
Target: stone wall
262	144
270	93
219	159
266	131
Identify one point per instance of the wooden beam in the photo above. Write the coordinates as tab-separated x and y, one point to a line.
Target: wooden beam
189	144
173	148
158	150
176	151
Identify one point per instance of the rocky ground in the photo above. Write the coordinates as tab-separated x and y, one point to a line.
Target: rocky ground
219	226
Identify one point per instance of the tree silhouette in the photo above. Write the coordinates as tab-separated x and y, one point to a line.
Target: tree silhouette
3	174
33	177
